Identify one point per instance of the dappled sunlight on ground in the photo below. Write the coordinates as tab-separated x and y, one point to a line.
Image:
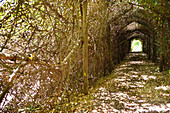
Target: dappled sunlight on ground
134	86
163	88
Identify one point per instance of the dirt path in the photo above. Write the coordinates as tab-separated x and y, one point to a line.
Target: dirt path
134	86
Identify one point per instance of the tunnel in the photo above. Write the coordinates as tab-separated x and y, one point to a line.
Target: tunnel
122	30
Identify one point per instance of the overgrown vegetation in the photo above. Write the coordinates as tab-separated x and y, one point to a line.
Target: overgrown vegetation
42	43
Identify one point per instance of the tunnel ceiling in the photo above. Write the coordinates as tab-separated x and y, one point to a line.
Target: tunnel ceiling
120	26
134	20
134	15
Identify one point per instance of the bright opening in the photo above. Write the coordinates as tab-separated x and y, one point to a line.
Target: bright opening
136	45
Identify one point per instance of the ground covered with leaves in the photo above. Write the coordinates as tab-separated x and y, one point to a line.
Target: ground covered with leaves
136	85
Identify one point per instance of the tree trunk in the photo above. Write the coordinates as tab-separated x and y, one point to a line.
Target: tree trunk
161	48
85	49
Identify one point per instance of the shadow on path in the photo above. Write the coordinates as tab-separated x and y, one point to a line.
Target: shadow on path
134	86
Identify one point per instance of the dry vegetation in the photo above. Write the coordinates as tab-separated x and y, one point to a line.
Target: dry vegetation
41	48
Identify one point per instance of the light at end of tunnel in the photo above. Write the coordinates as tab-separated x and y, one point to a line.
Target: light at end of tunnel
136	45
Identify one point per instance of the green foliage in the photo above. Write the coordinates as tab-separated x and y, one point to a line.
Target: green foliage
50	29
136	45
31	108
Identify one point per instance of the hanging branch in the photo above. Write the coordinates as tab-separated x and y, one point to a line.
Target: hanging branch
164	15
71	53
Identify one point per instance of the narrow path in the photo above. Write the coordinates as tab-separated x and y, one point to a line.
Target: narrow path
134	86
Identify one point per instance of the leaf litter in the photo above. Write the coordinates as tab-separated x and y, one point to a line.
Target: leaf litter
135	85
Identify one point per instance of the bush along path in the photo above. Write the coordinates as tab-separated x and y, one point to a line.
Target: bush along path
135	85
